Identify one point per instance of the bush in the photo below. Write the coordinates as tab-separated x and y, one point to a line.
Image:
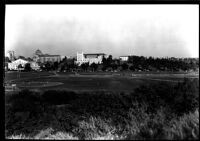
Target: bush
22	108
25	101
93	127
182	98
160	111
58	97
186	96
185	127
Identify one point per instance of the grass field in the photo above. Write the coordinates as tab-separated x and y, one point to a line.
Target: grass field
94	81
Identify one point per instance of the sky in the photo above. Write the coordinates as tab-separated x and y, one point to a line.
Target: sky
143	30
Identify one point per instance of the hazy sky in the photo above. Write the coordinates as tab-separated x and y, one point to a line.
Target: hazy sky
148	30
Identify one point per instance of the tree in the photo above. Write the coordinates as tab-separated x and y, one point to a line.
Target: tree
132	68
19	66
55	65
109	60
104	61
61	66
22	57
27	67
64	59
47	66
29	59
7	59
124	66
85	66
114	66
94	66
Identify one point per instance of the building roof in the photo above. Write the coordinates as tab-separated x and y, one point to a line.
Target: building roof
124	56
47	55
94	54
20	60
38	52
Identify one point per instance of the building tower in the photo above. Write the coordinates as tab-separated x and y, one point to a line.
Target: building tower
38	52
11	55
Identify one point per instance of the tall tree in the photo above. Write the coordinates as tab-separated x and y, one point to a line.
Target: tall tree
124	66
104	60
22	57
47	66
114	65
109	60
7	59
27	67
29	59
55	65
85	66
19	66
94	66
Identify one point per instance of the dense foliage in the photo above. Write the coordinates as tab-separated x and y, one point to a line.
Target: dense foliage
169	64
161	111
27	67
134	63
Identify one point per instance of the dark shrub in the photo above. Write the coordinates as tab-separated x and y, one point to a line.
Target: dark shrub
58	97
148	95
186	96
183	97
20	108
25	101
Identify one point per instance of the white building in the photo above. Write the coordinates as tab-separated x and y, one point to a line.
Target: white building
14	64
34	65
90	58
43	58
123	58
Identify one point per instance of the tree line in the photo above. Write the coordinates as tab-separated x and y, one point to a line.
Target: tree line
134	63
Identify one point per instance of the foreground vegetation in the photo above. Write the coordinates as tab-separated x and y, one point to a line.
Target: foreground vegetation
153	111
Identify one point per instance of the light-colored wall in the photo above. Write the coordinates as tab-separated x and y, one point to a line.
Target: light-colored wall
34	66
50	59
124	58
81	59
14	64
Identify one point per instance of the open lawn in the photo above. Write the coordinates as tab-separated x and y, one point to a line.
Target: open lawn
14	75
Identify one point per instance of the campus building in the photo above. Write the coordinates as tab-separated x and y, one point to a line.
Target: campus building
11	55
43	58
123	58
89	58
34	65
14	64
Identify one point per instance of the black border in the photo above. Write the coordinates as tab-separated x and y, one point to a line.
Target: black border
101	1
2	99
8	2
